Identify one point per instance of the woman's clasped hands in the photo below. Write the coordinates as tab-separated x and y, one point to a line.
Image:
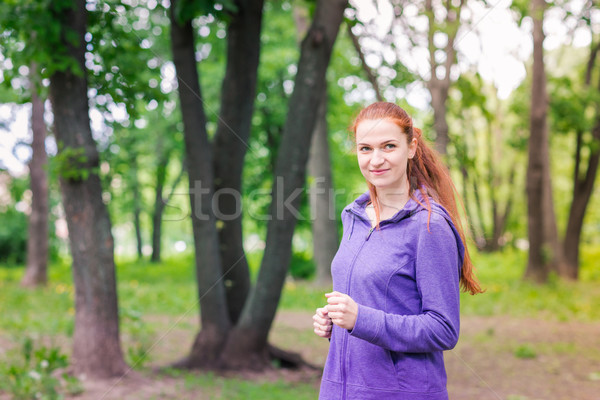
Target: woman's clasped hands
340	310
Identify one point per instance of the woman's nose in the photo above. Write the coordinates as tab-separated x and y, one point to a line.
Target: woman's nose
377	158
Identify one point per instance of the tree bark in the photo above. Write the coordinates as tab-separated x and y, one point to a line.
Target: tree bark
137	210
543	238
247	343
322	204
322	201
231	143
159	203
215	323
501	214
582	192
583	187
439	86
502	217
37	242
159	208
96	347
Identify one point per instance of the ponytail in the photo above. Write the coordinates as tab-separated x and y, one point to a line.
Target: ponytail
427	174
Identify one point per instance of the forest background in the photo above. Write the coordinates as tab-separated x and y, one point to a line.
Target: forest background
169	216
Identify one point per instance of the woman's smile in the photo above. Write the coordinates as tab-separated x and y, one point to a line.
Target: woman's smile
379	171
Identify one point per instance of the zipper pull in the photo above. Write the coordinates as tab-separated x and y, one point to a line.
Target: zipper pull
369	234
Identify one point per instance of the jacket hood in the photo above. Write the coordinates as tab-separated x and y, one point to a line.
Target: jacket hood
415	204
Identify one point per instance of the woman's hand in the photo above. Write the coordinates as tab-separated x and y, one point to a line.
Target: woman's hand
322	323
341	309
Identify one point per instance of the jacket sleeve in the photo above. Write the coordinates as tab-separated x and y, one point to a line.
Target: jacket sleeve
436	328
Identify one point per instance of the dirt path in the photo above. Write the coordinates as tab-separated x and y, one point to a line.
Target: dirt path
491	360
496	358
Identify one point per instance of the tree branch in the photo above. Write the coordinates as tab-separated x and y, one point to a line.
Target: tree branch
361	55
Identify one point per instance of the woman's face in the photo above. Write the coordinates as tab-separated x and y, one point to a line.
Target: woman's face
383	153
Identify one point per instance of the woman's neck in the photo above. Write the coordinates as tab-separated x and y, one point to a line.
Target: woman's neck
392	200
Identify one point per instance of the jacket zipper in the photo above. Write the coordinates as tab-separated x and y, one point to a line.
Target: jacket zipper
345	342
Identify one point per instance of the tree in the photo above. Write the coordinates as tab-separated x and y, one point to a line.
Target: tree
487	182
324	222
544	250
439	80
231	143
214	314
371	76
247	343
21	44
324	218
96	346
216	321
444	21
37	242
570	111
160	201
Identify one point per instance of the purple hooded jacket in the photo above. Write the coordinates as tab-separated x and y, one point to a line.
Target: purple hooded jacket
405	279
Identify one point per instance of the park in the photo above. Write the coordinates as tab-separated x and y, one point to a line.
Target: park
174	176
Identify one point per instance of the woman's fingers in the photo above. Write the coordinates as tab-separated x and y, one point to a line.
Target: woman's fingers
322	334
322	323
324	328
341	309
322	312
321	317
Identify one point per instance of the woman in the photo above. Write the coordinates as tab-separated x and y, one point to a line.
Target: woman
396	275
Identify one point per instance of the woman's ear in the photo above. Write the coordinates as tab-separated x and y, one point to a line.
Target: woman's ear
412	148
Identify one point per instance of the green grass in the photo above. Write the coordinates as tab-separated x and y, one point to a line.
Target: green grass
525	351
507	294
220	387
169	288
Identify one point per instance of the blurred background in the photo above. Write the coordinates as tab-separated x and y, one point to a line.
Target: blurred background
116	115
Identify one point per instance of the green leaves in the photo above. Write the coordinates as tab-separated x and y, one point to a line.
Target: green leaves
572	107
33	373
186	10
71	163
32	34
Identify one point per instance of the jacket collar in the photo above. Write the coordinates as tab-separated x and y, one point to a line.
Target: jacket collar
412	206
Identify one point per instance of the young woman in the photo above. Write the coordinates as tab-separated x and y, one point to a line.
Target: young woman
396	275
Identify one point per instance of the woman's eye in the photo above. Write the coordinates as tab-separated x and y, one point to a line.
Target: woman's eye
390	146
364	148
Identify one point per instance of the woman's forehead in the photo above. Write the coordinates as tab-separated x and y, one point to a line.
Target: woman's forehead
379	130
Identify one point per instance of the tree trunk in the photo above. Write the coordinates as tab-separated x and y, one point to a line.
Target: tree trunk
541	220
231	143
137	211
96	347
502	218
439	86
215	323
475	229
439	94
247	343
159	203
37	242
322	201
159	208
583	188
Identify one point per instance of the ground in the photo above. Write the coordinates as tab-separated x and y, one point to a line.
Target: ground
497	357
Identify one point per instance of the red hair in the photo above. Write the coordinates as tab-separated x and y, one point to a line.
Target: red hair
426	173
